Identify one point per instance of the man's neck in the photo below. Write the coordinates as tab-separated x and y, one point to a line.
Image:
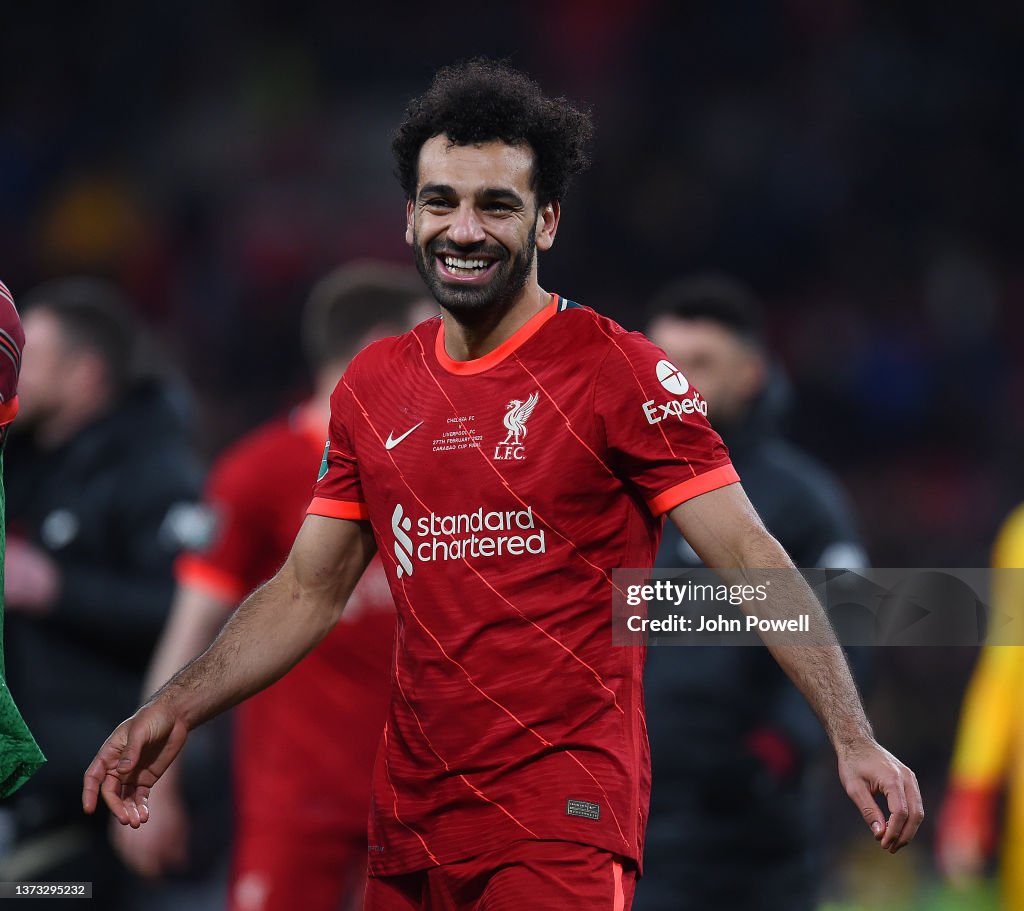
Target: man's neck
468	342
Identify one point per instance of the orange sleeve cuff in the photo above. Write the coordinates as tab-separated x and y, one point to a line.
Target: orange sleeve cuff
8	411
337	509
703	483
193	571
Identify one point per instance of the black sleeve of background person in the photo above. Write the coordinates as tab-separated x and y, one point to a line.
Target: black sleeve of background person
808	511
119	606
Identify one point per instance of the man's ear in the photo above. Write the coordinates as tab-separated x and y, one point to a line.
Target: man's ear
547	225
408	222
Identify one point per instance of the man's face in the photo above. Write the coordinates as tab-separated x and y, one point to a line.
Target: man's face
728	371
474	225
45	369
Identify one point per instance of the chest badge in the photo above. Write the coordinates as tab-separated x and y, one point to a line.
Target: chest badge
517	413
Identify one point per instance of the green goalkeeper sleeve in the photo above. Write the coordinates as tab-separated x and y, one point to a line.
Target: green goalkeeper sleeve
20	756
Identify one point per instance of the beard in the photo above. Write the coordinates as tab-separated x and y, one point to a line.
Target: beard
469	304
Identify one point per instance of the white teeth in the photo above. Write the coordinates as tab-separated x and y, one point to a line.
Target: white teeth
453	263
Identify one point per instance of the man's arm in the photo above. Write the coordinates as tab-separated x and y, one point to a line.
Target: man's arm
725	531
268	634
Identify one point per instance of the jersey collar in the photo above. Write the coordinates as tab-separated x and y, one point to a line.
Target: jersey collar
495	357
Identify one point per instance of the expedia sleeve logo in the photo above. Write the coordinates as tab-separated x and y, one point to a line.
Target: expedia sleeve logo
672	379
479	534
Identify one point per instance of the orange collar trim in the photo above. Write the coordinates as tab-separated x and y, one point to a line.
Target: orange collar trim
495	357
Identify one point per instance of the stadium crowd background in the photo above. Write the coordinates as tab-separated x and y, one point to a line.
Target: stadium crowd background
857	163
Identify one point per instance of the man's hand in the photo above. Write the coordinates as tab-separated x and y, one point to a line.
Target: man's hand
268	635
161	846
866	769
131	761
31	578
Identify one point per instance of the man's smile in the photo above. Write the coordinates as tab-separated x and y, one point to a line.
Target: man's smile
470	269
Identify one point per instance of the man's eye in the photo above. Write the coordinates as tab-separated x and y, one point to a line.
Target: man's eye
437	203
498	207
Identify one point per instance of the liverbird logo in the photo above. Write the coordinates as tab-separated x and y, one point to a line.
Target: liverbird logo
517	414
516	418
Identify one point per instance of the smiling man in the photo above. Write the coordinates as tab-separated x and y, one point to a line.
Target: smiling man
502	460
476	261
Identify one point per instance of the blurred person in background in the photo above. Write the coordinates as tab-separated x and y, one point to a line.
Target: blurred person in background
989	753
303	748
732	740
20	756
102	490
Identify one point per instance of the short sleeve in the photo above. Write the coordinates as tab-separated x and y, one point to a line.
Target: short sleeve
228	566
12	341
655	425
338	493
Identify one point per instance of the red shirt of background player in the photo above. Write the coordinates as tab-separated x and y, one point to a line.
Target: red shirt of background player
502	492
303	748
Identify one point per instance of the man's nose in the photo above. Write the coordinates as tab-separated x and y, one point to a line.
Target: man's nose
466	228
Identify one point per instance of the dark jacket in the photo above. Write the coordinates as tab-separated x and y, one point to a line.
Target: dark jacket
112	507
715	713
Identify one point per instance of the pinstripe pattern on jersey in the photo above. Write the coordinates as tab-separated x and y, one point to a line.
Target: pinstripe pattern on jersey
505	483
408	602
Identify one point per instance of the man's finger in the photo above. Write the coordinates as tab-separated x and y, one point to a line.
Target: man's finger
134	817
110	788
916	811
99	768
91	785
865	802
899	811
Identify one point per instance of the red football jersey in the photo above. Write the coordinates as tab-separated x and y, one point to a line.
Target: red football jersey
502	492
304	747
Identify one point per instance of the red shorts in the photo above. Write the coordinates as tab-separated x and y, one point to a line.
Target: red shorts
275	871
539	875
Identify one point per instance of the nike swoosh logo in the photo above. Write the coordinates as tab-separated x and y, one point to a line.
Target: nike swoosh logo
393	441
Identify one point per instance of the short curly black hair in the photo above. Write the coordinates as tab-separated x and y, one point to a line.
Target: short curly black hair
481	100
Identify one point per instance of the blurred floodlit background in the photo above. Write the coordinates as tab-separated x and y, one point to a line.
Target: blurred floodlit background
857	163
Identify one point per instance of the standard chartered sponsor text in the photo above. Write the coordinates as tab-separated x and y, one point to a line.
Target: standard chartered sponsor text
477	534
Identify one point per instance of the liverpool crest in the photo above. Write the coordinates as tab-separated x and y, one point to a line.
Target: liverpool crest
517	413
